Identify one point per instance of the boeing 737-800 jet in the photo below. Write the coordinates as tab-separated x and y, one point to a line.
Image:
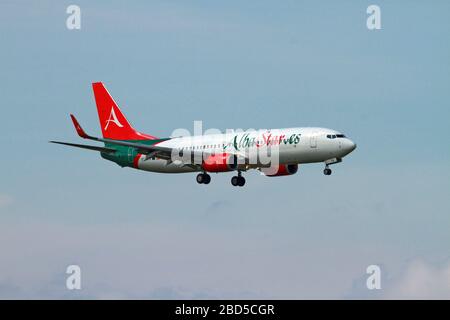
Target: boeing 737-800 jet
275	152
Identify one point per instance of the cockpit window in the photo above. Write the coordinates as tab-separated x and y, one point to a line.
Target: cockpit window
334	136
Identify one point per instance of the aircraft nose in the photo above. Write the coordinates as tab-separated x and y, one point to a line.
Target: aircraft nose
349	146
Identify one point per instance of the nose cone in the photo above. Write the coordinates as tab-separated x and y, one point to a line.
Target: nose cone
349	146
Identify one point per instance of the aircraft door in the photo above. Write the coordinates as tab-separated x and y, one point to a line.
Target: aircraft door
313	141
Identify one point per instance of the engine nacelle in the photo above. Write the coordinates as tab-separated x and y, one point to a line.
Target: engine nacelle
281	170
221	162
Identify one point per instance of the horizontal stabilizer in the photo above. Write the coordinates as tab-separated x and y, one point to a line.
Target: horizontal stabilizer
83	146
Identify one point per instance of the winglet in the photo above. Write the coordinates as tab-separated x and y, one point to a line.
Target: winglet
79	129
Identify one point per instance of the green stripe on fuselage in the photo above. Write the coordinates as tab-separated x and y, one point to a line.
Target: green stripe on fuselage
124	155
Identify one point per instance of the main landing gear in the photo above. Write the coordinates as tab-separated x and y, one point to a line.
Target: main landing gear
238	180
327	171
203	178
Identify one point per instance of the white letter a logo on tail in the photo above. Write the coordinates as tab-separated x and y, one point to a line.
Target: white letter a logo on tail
113	118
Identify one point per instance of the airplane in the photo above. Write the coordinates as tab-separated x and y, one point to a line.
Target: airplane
275	152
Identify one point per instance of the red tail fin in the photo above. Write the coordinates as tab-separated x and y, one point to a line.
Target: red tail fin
113	122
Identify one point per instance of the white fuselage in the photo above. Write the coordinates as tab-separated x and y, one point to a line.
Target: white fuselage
293	146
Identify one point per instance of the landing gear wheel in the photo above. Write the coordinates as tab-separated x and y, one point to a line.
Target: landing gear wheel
238	181
200	178
203	178
327	171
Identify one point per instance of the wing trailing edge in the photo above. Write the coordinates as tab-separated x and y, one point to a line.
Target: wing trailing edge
83	146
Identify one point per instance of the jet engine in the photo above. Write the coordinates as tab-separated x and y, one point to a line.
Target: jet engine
280	170
221	162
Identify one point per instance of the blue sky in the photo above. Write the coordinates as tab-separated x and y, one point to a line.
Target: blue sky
259	64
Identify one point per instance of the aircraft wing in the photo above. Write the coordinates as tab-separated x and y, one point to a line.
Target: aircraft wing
83	146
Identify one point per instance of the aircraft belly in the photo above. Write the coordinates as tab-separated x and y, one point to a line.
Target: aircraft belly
160	165
305	154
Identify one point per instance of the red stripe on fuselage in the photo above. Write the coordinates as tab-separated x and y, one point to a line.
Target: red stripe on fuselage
136	160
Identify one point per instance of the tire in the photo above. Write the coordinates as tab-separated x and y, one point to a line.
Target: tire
241	181
206	179
235	181
200	178
327	171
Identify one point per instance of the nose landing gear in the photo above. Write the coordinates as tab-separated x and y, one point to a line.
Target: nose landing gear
203	178
238	180
327	171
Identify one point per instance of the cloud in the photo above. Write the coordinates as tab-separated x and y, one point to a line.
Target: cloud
422	280
122	261
9	290
161	261
417	279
